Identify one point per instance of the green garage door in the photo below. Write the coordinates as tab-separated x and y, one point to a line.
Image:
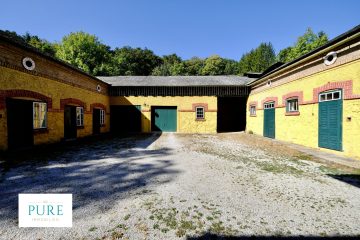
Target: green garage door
330	120
269	120
164	119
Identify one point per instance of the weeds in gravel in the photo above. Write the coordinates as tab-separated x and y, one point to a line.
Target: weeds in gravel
279	168
116	235
191	220
92	229
127	217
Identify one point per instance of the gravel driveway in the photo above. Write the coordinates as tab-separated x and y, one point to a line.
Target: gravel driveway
185	186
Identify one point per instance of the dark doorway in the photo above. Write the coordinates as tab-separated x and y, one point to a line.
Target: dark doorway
70	129
124	119
19	123
231	114
96	121
164	119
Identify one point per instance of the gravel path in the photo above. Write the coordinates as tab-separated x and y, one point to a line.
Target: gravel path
179	186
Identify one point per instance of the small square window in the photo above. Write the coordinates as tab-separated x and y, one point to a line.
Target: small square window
39	115
200	113
79	116
292	105
322	97
252	110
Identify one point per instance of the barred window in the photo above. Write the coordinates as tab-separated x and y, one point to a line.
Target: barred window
102	117
200	113
39	115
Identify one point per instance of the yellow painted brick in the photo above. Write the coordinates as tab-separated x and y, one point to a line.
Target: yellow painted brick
303	129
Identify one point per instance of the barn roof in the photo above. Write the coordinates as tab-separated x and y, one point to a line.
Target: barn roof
175	81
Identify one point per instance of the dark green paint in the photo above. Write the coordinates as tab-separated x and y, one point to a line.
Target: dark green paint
165	119
269	123
330	124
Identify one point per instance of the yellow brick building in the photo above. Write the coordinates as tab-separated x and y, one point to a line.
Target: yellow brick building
314	100
184	104
38	94
44	100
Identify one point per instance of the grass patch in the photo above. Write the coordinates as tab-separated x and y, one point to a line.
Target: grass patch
127	217
92	229
331	170
304	157
280	168
217	227
116	235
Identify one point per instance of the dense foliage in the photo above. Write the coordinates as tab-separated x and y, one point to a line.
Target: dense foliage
88	53
304	44
258	59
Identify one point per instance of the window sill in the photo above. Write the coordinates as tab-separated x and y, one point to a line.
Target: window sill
80	127
292	114
102	125
40	131
254	115
200	119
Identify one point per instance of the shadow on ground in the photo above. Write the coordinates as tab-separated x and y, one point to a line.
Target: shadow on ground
352	179
210	236
95	172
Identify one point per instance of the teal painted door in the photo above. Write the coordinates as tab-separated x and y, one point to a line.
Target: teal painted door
330	123
269	122
164	119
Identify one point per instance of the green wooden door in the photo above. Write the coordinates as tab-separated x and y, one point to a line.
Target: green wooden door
269	120
164	119
330	120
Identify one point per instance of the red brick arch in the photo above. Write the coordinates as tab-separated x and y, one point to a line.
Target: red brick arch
71	101
269	99
97	105
25	94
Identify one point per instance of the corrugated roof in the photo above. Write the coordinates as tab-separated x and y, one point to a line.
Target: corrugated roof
179	81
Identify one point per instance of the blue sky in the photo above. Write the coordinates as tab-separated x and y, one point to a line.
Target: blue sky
186	27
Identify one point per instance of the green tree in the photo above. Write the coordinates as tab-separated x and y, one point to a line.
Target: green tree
41	44
231	67
172	65
304	44
194	66
214	65
135	61
283	55
258	59
84	51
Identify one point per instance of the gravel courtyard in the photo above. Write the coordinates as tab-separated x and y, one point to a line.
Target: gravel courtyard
183	186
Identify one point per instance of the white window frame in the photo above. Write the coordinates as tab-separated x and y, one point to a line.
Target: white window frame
102	117
252	110
288	105
269	105
203	112
329	96
80	117
39	114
